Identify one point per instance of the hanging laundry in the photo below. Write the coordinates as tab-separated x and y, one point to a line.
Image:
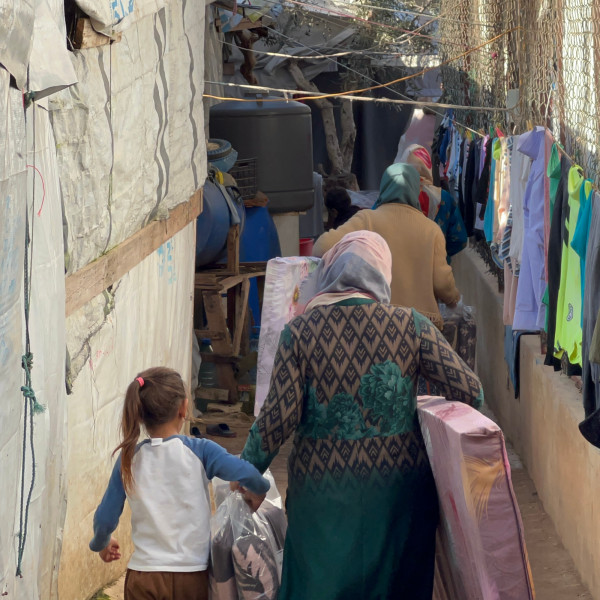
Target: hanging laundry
519	174
579	242
529	310
590	428
483	184
460	186
568	313
503	199
491	208
470	186
555	245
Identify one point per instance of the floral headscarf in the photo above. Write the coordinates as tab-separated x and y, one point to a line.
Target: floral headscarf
359	265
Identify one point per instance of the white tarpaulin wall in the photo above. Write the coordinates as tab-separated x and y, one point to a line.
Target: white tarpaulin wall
130	135
37	189
126	144
135	335
112	16
16	37
131	145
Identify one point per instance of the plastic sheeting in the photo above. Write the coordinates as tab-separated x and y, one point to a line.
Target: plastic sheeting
16	36
134	334
50	65
39	191
130	136
111	16
482	550
280	305
32	35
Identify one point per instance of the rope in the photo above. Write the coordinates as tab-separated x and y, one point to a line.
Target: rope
348	68
31	406
317	96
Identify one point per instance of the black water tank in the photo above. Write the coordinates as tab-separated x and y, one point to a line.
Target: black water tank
278	134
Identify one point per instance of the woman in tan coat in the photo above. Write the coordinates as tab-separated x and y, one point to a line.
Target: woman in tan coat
421	275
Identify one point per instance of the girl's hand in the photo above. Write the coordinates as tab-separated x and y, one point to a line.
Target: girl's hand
111	552
234	486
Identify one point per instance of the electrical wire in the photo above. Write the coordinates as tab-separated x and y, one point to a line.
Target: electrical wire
408	34
379	85
399	79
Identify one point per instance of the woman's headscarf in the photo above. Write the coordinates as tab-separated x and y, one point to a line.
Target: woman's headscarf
399	185
358	266
430	196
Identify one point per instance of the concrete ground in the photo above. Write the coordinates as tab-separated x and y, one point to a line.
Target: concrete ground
554	573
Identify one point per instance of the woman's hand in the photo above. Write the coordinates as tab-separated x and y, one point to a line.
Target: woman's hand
111	552
251	499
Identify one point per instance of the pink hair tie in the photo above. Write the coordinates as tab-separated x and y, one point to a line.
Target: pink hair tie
140	380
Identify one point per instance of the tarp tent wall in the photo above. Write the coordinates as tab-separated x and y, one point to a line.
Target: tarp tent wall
47	329
134	127
116	151
136	334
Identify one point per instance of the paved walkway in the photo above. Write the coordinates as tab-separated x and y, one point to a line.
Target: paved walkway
554	573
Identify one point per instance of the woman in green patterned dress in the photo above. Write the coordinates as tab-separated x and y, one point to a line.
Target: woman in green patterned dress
361	503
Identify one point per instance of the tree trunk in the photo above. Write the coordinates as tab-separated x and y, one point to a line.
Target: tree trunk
348	134
326	108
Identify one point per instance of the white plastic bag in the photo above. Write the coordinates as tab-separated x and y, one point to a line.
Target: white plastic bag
254	554
246	547
460	330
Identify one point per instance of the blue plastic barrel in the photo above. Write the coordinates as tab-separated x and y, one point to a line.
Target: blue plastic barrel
258	243
212	226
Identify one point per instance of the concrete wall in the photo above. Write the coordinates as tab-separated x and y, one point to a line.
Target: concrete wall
541	424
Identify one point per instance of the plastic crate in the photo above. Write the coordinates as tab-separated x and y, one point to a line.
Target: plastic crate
244	173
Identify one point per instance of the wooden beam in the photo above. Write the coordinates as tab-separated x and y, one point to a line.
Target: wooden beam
215	317
93	279
240	316
233	249
209	334
246	23
87	37
212	394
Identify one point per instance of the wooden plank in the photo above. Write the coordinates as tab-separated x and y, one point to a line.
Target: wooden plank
246	23
240	315
212	394
203	278
215	317
233	249
87	37
230	282
93	279
217	359
211	335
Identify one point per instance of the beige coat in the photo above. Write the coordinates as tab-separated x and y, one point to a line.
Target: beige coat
420	273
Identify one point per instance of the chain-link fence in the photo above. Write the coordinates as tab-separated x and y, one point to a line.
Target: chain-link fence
539	57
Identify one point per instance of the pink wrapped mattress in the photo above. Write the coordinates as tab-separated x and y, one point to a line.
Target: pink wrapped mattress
481	551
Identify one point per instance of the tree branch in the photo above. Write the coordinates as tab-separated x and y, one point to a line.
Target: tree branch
348	134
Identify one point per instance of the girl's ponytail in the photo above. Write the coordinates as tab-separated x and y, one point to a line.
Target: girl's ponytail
130	431
153	398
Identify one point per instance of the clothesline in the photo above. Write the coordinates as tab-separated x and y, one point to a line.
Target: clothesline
307	95
540	217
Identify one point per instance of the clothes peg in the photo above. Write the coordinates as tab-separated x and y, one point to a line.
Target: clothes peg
529	125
